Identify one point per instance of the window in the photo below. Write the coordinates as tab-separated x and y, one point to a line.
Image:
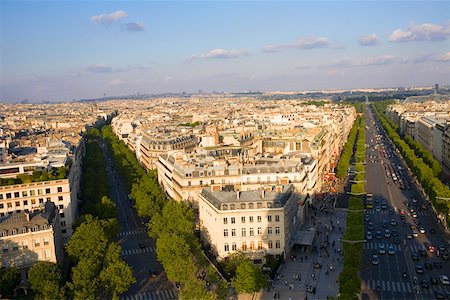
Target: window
259	245
225	220
259	230
233	232
201	182
13	232
252	231
251	205
269	244
1	205
33	201
269	218
1	196
49	199
225	232
16	194
277	218
23	230
259	219
60	198
244	246
40	192
37	242
5	248
46	240
269	230
32	192
59	189
61	215
252	245
259	205
189	183
24	193
47	190
242	205
34	228
8	195
226	247
277	230
25	202
47	253
250	219
25	245
269	204
277	245
61	206
9	204
15	247
233	220
243	232
64	231
233	247
232	206
17	203
63	223
242	219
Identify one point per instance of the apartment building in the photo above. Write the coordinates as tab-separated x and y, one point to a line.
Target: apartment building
446	151
27	237
152	146
254	222
184	176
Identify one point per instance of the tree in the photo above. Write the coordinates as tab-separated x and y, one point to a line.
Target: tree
85	279
249	278
176	218
116	276
9	279
45	279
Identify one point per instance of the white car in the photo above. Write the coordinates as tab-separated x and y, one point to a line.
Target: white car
444	279
421	230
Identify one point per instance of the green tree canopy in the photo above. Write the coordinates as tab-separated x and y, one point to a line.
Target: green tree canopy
45	280
9	279
249	278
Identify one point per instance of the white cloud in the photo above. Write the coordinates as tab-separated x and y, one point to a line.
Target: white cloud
444	57
116	82
371	61
99	68
301	43
424	58
134	26
219	53
107	19
423	32
369	40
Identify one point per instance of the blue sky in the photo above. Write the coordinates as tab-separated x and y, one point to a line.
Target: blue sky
64	50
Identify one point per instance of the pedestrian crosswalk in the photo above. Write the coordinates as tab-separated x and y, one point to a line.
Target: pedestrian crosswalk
153	295
376	246
403	287
386	212
132	232
138	251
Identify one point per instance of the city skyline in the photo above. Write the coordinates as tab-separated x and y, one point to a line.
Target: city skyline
60	51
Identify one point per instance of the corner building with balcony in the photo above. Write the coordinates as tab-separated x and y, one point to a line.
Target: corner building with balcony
254	222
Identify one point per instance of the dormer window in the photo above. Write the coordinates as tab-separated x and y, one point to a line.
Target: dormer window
232	206
225	206
243	205
269	204
250	205
259	205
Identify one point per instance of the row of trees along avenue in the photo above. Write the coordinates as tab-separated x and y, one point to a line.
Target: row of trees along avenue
419	162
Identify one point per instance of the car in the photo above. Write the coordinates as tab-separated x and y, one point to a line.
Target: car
419	269
431	248
396	240
409	235
414	215
391	211
422	230
317	265
445	255
428	266
402	216
393	222
387	233
441	247
385	223
378	234
152	273
415	233
369	235
437	264
414	255
384	206
434	280
416	221
444	279
381	249
422	252
375	259
311	289
366	217
377	208
370	226
439	295
425	284
142	245
391	250
394	233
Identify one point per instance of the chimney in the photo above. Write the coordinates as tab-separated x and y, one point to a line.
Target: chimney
27	216
237	195
262	194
